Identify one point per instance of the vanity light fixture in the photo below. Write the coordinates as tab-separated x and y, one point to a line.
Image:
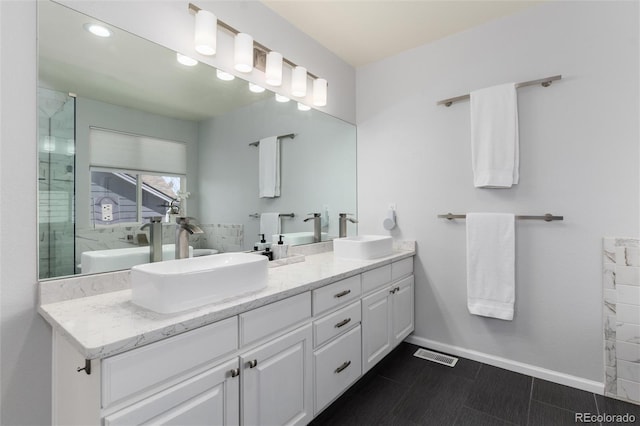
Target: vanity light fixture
98	30
249	54
225	76
243	52
281	98
255	88
273	69
303	107
320	92
299	82
186	60
206	32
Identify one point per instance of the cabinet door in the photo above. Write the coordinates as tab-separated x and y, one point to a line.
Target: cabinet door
276	381
402	310
210	398
376	327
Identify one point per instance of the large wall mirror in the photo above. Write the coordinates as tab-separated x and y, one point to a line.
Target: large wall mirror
126	133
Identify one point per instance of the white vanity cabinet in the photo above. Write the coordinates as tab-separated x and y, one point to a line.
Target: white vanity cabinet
387	313
278	364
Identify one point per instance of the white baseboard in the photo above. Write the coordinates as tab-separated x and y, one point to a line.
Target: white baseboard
508	364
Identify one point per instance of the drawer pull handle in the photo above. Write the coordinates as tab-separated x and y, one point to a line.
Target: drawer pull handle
342	293
394	290
343	323
252	363
235	372
343	366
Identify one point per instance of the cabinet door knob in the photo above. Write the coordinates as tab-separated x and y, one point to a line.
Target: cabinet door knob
343	322
343	366
252	363
342	293
235	372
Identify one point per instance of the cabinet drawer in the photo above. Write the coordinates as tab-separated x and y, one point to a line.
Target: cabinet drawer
333	324
142	368
261	322
375	278
401	268
336	294
337	366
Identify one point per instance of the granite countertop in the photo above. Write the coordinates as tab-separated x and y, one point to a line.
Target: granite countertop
107	324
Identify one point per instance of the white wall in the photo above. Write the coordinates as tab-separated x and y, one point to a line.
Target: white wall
317	167
26	340
578	158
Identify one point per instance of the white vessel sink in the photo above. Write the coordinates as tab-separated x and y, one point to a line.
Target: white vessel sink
176	285
363	247
92	262
298	238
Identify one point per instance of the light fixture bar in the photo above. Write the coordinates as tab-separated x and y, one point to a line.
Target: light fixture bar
193	9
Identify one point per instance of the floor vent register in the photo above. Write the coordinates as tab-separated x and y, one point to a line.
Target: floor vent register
443	359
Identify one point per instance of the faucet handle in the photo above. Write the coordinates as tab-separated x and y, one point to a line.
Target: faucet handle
183	220
155	219
314	214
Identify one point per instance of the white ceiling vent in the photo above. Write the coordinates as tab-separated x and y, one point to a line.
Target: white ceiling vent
443	359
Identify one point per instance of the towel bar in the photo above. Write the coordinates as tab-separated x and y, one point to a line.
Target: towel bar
548	217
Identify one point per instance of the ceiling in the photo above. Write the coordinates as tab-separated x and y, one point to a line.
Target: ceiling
364	31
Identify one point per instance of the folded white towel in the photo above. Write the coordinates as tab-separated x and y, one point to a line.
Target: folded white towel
491	264
269	225
494	136
269	167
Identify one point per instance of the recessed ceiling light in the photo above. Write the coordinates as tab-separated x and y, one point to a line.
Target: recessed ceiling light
224	75
98	30
255	88
185	60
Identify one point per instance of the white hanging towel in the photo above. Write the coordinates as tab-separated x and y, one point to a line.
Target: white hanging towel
491	264
269	167
495	153
269	225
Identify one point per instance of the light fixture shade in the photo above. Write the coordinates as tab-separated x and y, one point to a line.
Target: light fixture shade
49	144
299	82
273	71
281	98
243	52
303	107
255	88
320	92
206	32
222	75
186	60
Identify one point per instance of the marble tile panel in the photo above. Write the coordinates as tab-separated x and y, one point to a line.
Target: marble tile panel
628	333
610	382
610	327
608	250
608	275
628	370
627	275
627	242
58	290
629	294
629	390
610	353
627	351
628	313
628	256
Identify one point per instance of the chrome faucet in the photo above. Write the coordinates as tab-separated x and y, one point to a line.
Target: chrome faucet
155	237
316	226
185	228
342	229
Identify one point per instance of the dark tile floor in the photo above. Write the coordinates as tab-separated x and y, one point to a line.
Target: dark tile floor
405	390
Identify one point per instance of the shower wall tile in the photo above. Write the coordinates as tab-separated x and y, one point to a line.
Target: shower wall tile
629	333
621	317
629	275
628	371
629	314
629	390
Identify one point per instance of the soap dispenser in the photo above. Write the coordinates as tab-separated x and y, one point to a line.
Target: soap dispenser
262	244
280	249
